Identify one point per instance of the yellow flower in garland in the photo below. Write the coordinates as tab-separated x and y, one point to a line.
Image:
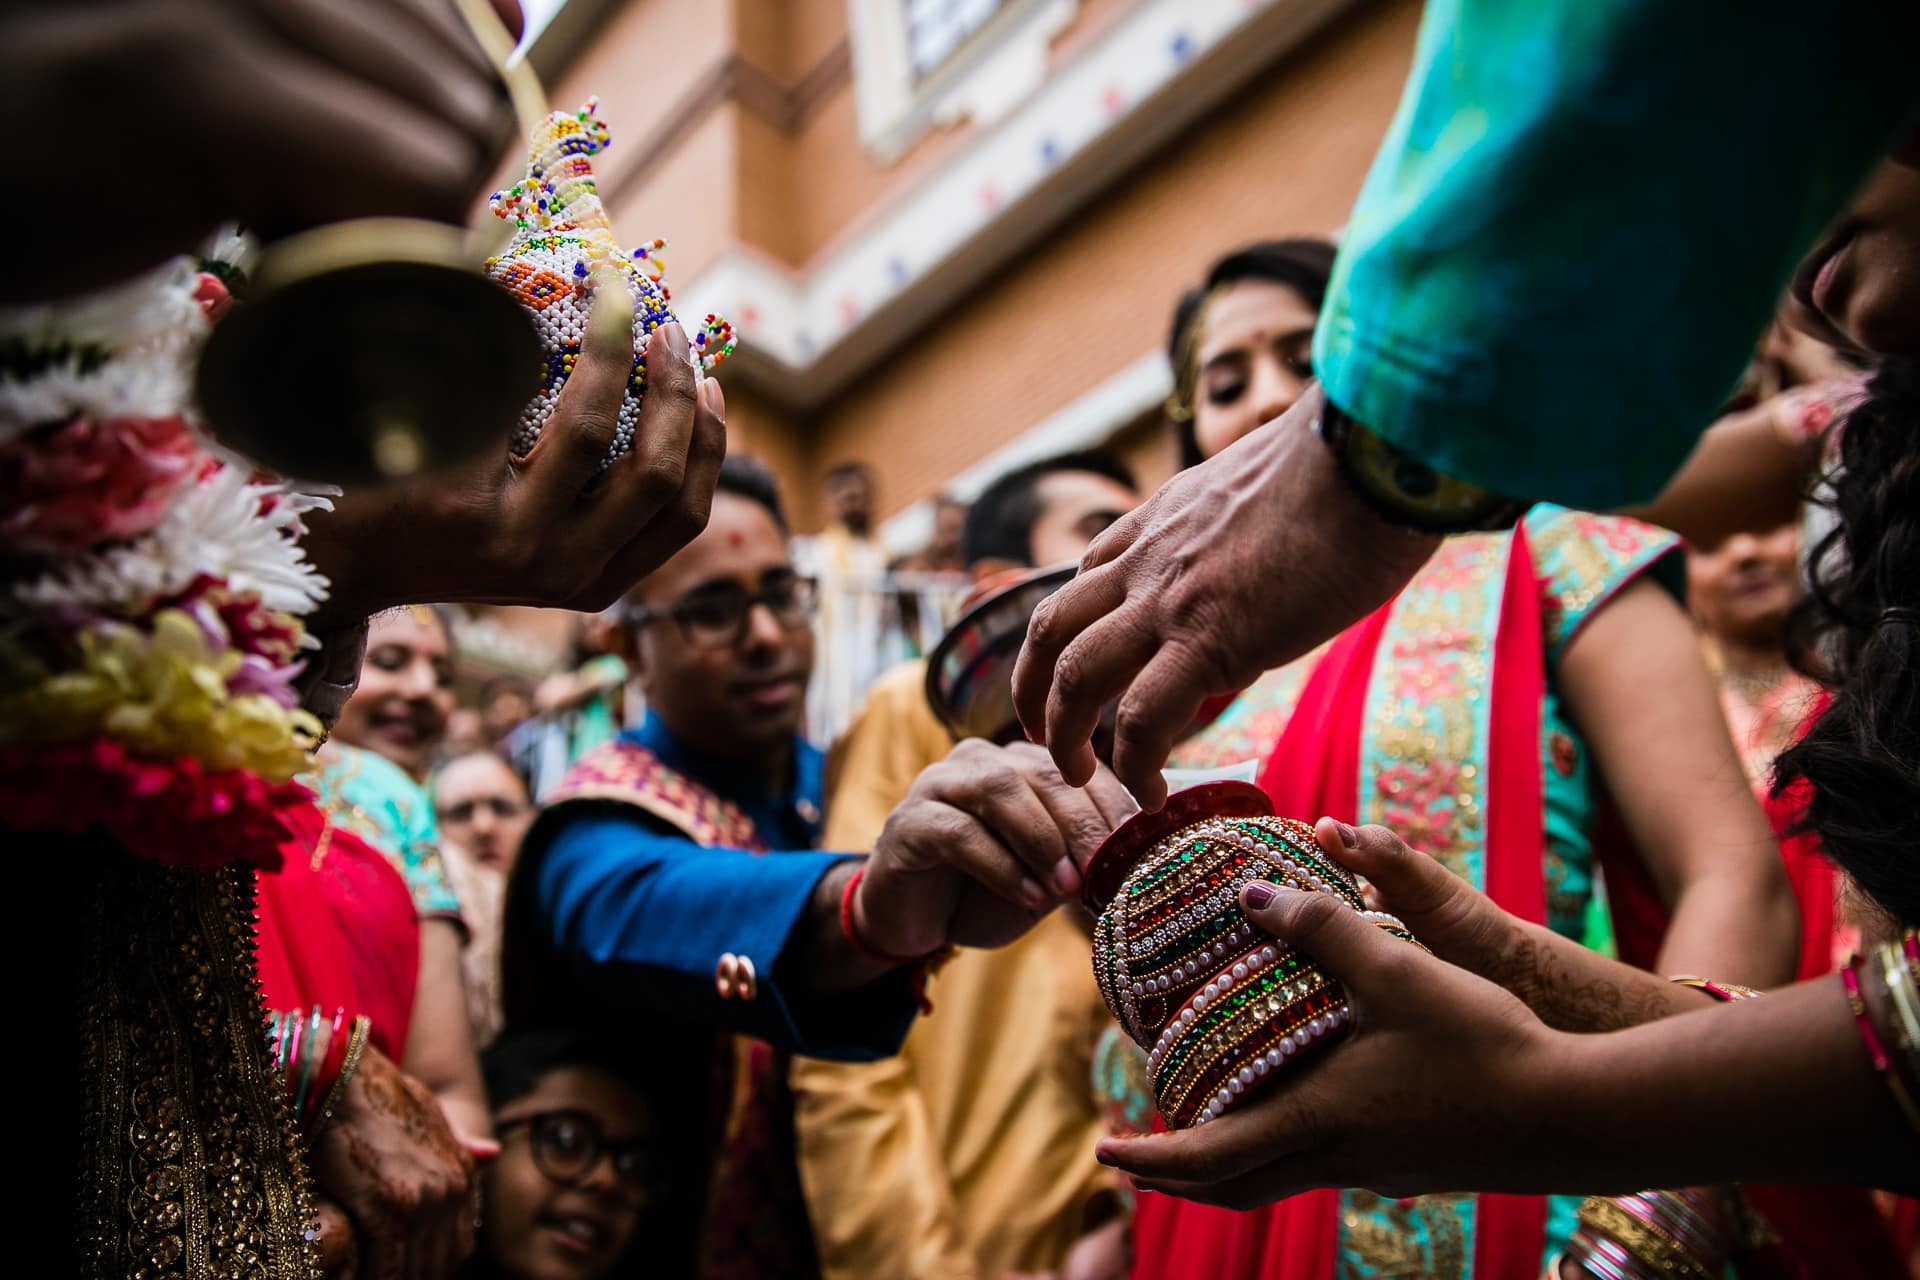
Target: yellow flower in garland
162	694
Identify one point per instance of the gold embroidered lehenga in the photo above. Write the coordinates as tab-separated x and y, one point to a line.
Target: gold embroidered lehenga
150	638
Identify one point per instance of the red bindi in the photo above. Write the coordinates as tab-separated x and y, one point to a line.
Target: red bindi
734	538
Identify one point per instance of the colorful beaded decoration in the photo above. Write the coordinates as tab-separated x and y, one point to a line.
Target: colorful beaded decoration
562	245
1219	1005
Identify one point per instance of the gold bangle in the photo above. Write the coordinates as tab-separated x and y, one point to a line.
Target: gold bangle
1727	991
1901	994
1642	1239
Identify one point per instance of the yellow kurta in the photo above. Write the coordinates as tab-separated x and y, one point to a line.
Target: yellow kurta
971	1152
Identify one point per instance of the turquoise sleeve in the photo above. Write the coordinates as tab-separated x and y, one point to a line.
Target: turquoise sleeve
1582	217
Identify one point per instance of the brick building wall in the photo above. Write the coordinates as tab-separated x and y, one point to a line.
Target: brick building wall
736	131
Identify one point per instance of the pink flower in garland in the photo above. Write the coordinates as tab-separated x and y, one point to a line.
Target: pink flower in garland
268	641
175	812
238	620
90	481
210	291
257	675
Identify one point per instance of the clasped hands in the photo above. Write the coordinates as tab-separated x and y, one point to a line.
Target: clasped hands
987	841
1450	1076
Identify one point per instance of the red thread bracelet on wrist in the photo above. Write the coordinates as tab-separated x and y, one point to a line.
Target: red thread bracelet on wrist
920	966
853	937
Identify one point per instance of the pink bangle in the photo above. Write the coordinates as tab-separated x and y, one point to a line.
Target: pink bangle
1850	979
336	1053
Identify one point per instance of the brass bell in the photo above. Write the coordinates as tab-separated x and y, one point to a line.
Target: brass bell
375	349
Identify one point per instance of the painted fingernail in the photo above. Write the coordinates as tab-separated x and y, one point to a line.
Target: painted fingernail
1348	836
1105	1157
1259	895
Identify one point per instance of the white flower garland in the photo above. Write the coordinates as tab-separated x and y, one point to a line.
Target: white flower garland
149	329
223	526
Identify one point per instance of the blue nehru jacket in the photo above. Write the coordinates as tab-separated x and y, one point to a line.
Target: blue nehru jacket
650	914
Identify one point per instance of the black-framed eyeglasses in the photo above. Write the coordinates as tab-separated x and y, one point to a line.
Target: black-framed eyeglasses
717	618
568	1144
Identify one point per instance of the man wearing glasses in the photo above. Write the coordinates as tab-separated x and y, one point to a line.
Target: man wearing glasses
672	882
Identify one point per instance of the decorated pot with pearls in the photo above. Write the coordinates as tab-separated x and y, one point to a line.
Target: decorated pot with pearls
1220	1006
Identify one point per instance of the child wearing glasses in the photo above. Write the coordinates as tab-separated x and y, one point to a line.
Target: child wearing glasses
582	1187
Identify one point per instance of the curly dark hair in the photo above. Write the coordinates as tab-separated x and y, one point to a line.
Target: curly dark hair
1858	632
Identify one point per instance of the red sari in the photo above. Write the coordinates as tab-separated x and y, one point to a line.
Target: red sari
338	929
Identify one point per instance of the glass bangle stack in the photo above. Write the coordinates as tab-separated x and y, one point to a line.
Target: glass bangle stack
1220	1006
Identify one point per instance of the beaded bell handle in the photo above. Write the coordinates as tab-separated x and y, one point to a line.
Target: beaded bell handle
524	91
523	84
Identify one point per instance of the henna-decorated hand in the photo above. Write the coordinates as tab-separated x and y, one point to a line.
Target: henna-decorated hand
1566	985
1443	1079
389	1160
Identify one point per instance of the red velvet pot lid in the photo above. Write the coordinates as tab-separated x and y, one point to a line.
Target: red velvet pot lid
1133	839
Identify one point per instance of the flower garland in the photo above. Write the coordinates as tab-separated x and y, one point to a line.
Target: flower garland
151	588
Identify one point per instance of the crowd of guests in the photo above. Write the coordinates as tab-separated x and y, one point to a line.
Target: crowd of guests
1651	681
685	989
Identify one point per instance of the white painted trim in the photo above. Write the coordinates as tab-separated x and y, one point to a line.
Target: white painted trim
882	69
991	71
1085	422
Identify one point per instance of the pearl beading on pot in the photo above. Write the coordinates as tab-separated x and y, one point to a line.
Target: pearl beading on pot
1219	1006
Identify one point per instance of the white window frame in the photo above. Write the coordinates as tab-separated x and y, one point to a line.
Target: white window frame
991	71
